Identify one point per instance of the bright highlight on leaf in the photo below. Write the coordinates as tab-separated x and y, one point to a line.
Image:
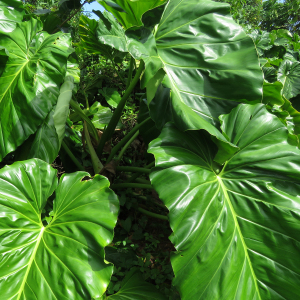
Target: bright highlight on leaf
11	13
236	231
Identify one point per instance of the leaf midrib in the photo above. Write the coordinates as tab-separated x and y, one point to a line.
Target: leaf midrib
237	226
16	76
32	257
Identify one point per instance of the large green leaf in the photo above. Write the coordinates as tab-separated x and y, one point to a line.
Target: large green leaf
236	231
134	287
211	63
129	13
64	260
11	13
289	76
30	82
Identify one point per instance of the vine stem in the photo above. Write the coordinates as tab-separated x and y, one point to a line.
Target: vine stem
131	185
146	199
84	117
135	176
126	146
71	155
97	165
152	164
130	72
133	169
108	133
151	214
116	148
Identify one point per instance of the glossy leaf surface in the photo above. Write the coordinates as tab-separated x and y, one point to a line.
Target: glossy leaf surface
11	13
236	232
134	287
211	63
30	82
64	260
129	13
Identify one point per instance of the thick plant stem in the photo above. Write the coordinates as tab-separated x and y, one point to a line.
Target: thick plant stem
133	169
130	72
97	165
135	176
125	139
144	198
131	185
71	155
127	145
139	180
152	164
108	133
151	214
142	180
83	116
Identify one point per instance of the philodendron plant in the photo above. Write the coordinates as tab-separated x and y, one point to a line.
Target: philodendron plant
64	259
236	227
227	162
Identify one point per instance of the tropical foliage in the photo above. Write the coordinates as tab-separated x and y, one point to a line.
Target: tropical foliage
218	114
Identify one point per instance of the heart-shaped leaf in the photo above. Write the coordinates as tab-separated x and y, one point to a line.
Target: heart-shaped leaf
64	260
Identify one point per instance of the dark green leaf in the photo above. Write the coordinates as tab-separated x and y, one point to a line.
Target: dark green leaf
134	287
